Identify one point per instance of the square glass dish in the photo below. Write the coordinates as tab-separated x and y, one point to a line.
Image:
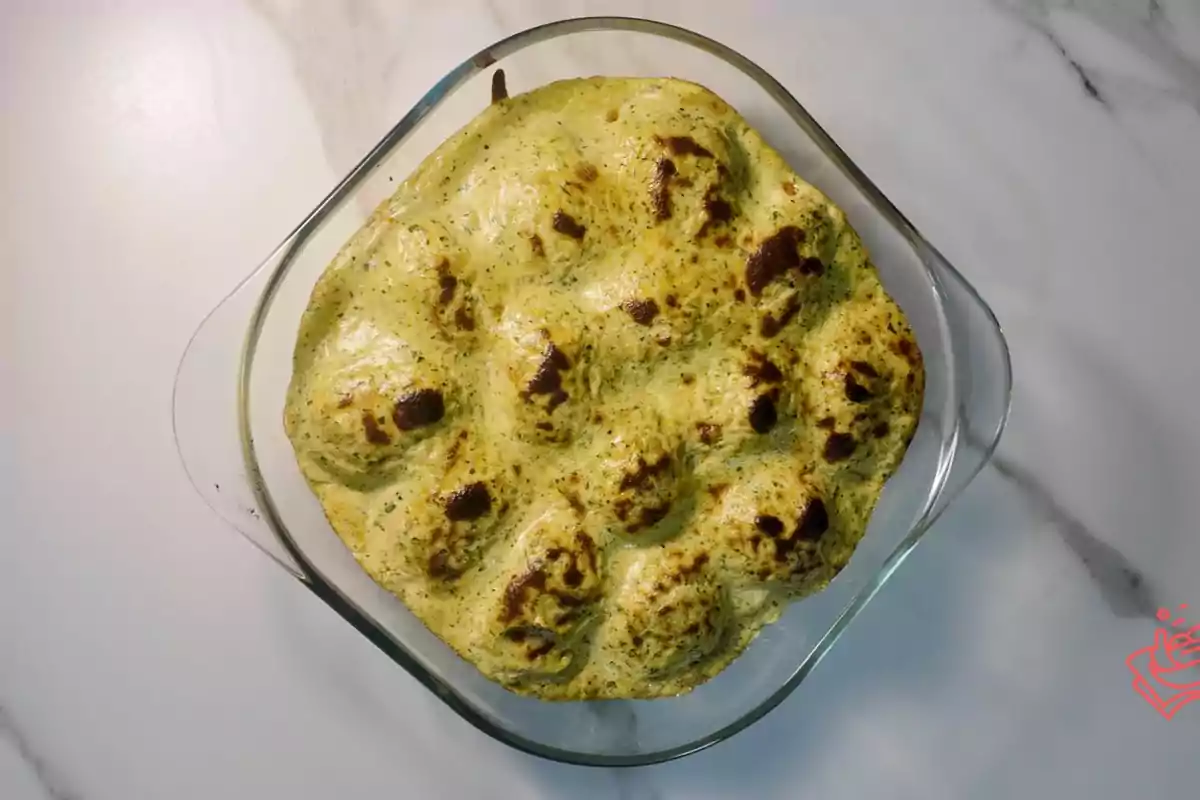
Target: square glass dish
232	381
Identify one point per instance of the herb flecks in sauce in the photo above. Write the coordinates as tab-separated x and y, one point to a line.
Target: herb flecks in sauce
601	387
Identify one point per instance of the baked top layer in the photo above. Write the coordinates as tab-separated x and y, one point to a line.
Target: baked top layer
601	388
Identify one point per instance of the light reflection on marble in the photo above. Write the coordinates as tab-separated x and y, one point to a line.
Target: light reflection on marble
1047	147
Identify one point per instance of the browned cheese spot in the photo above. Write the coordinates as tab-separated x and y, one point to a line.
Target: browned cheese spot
718	211
660	188
718	208
588	547
439	566
446	282
586	172
514	594
649	516
761	370
375	434
565	224
463	319
468	503
770	325
814	521
534	653
642	312
548	378
710	433
698	563
775	256
855	391
683	146
573	576
812	266
762	414
771	526
839	447
574	502
644	472
622	507
418	409
863	368
455	448
904	347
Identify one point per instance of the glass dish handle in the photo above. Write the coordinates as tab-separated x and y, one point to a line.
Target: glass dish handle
982	376
206	420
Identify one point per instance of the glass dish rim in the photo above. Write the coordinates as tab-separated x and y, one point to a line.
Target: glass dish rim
283	256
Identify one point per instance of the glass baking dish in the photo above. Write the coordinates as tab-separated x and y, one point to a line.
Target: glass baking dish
230	389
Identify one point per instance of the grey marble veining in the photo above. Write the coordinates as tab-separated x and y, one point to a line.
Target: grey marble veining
52	784
1124	588
1165	32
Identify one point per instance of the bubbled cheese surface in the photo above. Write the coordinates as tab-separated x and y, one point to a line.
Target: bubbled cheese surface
602	387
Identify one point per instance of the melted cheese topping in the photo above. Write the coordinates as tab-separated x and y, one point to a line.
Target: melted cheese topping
601	387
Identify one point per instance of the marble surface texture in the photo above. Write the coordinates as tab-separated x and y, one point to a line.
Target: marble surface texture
154	152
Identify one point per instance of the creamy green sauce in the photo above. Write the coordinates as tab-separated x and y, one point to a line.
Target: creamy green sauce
601	387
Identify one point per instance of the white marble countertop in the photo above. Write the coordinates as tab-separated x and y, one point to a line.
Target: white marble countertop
153	153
